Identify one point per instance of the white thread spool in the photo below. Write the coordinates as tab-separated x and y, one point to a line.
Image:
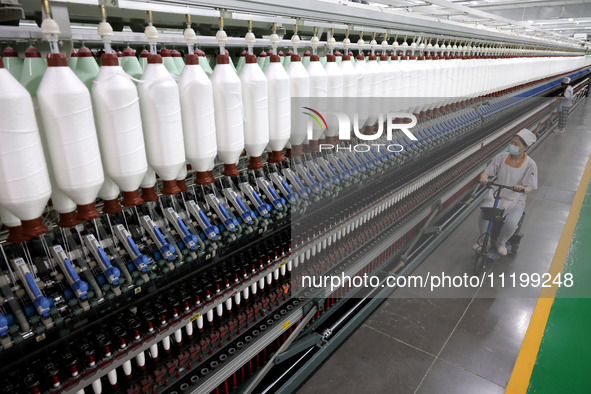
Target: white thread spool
227	98
279	108
334	88
161	118
300	91
68	125
318	92
25	187
256	111
198	116
119	126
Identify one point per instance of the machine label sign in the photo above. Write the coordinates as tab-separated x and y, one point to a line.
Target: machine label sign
195	317
286	324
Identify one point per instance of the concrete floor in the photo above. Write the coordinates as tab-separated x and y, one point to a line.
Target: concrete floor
464	341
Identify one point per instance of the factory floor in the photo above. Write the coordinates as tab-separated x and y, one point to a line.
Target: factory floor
468	340
564	355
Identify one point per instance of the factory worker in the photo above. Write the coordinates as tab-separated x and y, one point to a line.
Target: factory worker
566	99
513	168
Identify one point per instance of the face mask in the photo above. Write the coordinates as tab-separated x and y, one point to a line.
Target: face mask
513	149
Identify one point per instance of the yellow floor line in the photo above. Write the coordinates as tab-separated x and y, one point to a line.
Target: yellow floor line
531	343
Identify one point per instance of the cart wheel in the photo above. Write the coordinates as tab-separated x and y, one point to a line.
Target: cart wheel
478	264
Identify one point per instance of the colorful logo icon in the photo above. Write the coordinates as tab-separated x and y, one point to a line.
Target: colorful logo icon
316	118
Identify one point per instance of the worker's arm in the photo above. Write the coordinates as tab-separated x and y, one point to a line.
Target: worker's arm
530	178
492	168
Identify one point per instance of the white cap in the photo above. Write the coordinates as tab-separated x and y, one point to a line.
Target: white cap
221	37
274	39
527	136
331	42
346	43
50	27
190	35
250	39
314	42
360	43
151	34
105	31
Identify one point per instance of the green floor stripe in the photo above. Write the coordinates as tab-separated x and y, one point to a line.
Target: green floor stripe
563	364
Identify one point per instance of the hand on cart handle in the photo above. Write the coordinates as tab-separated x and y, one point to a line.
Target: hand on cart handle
516	188
522	189
483	179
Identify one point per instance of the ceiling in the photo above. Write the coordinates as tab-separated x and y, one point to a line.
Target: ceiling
550	19
534	23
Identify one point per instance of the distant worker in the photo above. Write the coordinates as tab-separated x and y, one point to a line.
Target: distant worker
566	99
513	168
